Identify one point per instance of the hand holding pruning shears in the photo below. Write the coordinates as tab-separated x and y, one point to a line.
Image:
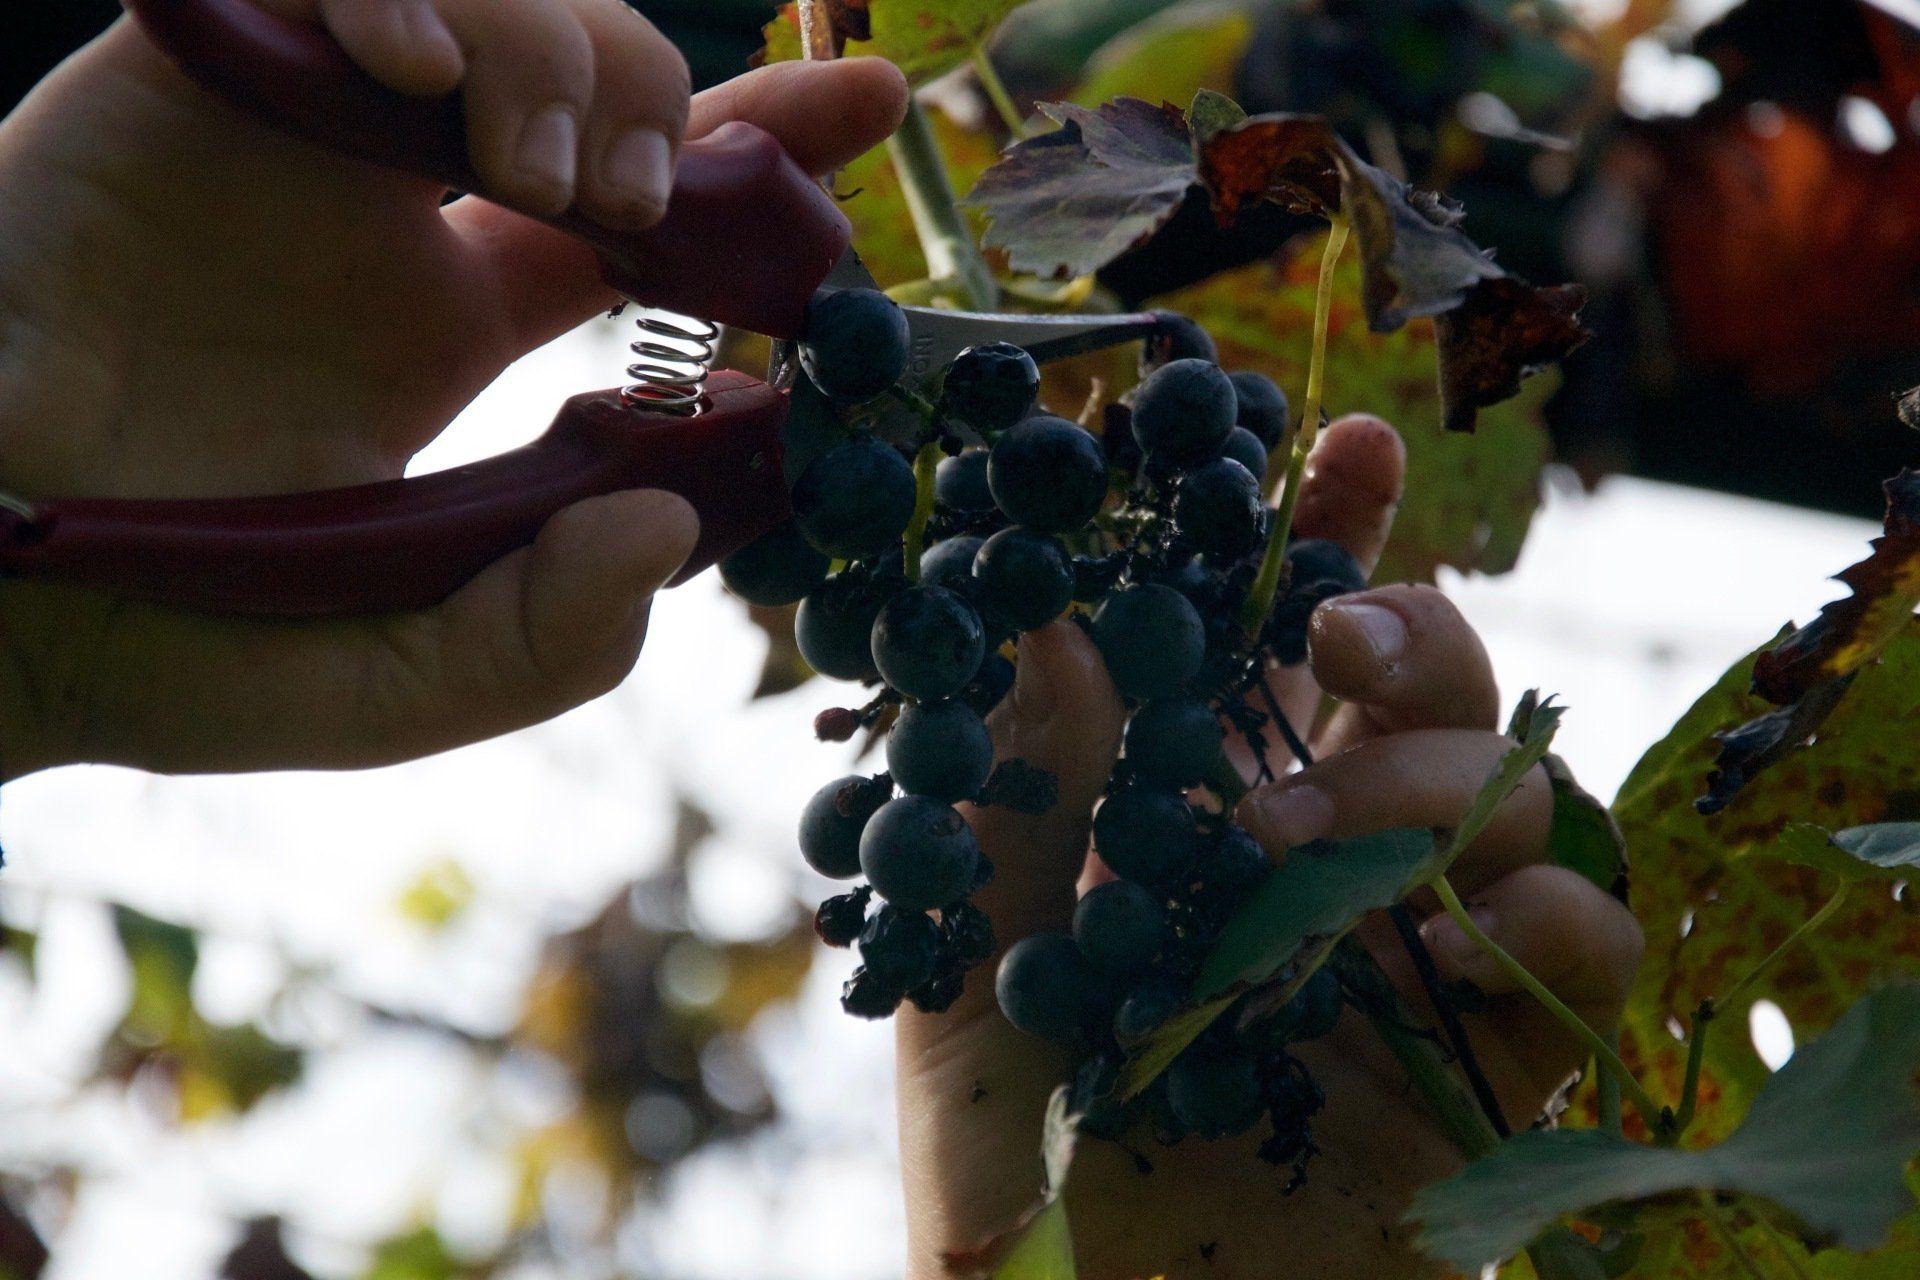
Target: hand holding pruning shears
194	305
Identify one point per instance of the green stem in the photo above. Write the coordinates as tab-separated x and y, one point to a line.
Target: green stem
1557	1255
1717	1219
1712	1007
997	93
1298	443
924	464
1649	1110
945	239
1812	922
1607	1090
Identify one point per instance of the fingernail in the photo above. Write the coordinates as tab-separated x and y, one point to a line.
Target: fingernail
1034	692
1446	938
1383	630
639	169
427	31
547	149
1293	816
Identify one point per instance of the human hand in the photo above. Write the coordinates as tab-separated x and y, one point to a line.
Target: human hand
192	305
1410	745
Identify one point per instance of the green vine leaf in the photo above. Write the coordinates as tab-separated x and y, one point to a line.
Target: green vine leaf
924	38
1584	837
1827	1139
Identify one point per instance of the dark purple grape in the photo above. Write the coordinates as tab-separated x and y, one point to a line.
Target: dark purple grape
898	946
1215	1094
1046	988
841	918
1119	927
960	483
1024	579
867	995
834	630
919	853
990	387
1217	509
928	642
1148	1004
1146	835
949	564
1173	742
1048	474
777	568
813	426
831	824
855	499
1311	1014
1152	639
968	933
940	749
1177	338
992	682
1183	413
857	343
1260	406
1245	448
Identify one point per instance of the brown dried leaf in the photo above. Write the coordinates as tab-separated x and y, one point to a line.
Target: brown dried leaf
1506	331
1852	631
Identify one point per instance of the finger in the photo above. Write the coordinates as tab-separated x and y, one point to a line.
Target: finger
540	631
1421	778
823	113
1062	716
1400	657
639	113
404	44
1352	486
1580	942
826	114
1348	495
529	83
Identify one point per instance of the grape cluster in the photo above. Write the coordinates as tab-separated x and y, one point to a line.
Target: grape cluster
916	579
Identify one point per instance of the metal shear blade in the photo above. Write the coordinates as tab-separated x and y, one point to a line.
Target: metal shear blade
939	335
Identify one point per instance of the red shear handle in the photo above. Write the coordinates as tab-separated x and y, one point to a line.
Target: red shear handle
407	544
746	239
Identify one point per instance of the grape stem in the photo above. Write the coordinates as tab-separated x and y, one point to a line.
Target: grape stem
924	464
945	241
1658	1121
1297	443
996	91
1456	1031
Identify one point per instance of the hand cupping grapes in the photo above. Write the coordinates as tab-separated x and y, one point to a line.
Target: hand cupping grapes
916	577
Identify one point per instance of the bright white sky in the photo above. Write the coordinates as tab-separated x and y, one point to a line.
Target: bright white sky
1628	604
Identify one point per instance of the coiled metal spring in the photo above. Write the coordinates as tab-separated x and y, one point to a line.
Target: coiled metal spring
672	360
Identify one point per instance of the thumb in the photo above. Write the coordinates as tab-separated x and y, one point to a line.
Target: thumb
1062	716
550	626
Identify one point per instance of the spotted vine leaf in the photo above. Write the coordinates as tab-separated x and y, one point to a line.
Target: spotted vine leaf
1714	897
1850	632
924	38
1827	1139
1072	201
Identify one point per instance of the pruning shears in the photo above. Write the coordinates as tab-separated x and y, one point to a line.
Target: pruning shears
746	241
